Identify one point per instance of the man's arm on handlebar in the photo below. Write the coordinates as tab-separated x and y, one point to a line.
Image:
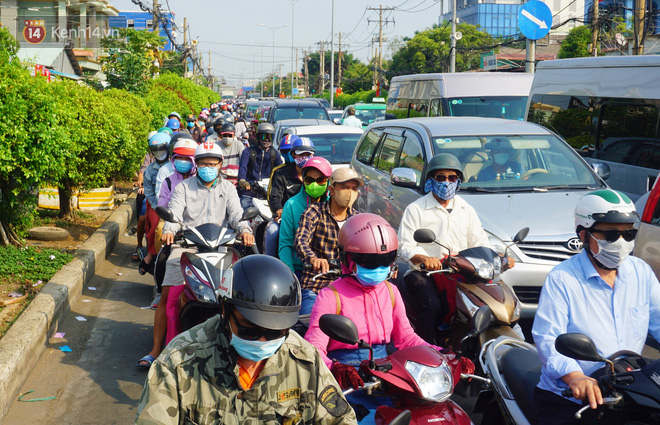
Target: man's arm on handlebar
584	388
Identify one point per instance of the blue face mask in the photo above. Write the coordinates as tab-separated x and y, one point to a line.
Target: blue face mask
255	350
183	166
371	277
443	190
207	174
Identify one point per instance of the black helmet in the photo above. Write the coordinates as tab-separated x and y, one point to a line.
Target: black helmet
228	128
219	122
264	290
265	128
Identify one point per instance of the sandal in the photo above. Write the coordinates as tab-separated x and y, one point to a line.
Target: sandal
149	359
145	268
136	255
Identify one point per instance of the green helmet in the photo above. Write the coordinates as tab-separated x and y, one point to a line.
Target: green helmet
604	206
445	161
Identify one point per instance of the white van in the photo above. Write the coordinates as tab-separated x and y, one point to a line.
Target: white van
465	94
608	108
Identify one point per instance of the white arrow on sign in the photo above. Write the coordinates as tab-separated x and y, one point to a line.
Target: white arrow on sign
534	19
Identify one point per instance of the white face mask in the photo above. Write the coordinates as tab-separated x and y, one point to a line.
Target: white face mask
227	141
160	155
501	158
612	254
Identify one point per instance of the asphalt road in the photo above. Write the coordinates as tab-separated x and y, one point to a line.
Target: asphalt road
97	382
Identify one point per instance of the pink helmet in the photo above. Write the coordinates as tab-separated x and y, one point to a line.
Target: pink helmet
368	240
320	164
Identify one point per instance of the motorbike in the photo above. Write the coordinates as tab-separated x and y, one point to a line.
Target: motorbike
264	217
197	299
418	379
477	272
630	385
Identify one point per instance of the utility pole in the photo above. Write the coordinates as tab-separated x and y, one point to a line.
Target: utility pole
339	64
595	26
321	66
332	58
210	78
295	70
156	16
306	74
380	10
640	18
279	74
185	46
452	53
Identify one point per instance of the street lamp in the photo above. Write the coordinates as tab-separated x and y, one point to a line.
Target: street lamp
293	67
273	29
261	60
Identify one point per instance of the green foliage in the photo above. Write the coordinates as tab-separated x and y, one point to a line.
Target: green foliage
576	44
358	77
429	51
343	100
30	264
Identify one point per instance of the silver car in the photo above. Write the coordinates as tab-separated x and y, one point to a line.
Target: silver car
540	193
647	245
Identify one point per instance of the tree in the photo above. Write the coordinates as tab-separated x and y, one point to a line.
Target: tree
358	77
429	50
134	57
576	43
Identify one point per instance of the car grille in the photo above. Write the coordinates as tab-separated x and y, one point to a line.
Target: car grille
550	251
528	294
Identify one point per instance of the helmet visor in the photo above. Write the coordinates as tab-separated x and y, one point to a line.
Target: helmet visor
373	261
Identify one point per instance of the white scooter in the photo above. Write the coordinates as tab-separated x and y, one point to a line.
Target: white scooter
261	222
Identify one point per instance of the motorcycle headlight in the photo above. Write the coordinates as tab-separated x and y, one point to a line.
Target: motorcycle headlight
485	270
436	383
202	292
499	246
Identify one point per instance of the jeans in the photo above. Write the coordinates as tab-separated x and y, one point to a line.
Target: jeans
308	299
246	201
272	239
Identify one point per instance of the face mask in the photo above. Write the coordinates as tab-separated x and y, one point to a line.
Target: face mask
227	141
443	190
501	158
301	160
207	174
612	254
191	124
255	350
315	190
160	155
371	277
183	166
345	198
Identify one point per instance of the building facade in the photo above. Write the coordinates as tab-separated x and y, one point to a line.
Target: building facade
144	21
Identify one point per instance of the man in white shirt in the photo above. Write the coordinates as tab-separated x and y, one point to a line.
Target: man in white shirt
456	226
351	120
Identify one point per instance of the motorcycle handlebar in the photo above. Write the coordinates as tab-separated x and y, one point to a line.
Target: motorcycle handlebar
568	393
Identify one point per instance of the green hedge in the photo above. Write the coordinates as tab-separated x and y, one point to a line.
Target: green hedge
343	100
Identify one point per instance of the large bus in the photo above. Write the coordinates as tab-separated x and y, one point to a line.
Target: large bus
473	94
607	108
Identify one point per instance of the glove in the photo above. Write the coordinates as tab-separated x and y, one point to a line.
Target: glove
346	376
242	184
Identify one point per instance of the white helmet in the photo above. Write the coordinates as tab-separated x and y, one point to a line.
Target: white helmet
604	206
208	150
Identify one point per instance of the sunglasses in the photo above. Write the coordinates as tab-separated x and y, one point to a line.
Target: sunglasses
614	235
320	181
373	261
267	137
443	178
227	134
159	148
253	333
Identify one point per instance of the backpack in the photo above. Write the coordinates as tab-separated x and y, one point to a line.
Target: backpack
253	160
389	288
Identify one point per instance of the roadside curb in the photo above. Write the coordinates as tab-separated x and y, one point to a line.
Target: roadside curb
27	339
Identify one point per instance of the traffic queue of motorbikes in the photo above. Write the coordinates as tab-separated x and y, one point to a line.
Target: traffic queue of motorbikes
421	380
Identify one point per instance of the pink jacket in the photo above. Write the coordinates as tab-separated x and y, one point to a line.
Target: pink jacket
370	308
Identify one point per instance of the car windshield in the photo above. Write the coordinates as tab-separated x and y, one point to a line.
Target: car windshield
252	110
337	148
299	113
508	107
517	162
367	116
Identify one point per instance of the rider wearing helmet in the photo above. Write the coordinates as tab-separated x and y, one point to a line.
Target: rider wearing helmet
317	170
315	240
231	152
456	226
602	292
181	166
246	363
256	164
141	200
174	125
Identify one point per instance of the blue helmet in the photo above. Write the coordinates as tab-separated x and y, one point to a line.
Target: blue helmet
159	139
287	142
173	123
303	144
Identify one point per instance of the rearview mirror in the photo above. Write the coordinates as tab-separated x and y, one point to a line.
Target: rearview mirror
250	213
521	235
602	169
403	177
578	346
337	121
482	319
424	236
165	214
340	328
402	418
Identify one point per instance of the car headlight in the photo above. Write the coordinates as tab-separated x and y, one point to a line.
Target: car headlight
436	383
499	246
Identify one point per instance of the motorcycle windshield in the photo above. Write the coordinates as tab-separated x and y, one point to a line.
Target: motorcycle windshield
481	252
206	235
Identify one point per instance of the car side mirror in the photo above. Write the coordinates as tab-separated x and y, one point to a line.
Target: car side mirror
403	177
521	235
602	169
340	328
578	346
424	236
165	214
337	121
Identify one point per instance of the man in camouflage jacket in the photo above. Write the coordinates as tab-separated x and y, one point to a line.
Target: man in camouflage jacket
195	381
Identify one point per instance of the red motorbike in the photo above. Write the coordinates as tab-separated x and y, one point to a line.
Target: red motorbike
417	379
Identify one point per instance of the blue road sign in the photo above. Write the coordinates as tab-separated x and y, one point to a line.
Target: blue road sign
535	19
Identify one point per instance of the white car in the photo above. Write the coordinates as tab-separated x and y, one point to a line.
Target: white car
335	143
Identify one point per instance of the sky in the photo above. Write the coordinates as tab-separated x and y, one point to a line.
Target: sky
241	50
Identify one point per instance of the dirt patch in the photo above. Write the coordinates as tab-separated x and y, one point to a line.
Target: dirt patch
80	228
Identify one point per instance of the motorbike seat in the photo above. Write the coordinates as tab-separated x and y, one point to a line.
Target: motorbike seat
521	369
